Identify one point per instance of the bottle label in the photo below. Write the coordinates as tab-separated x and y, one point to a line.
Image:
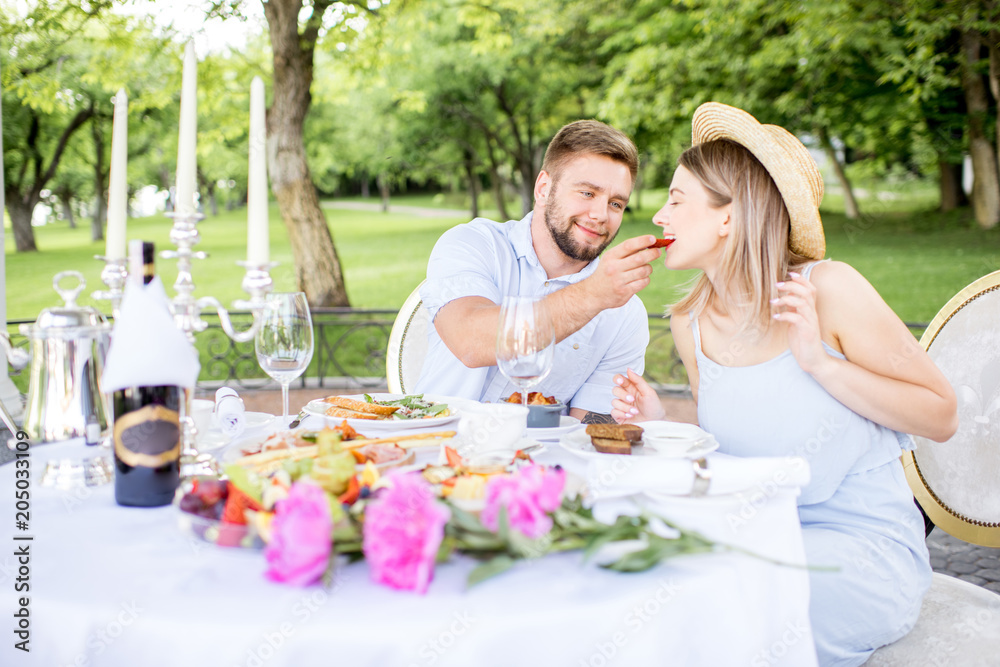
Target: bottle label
148	437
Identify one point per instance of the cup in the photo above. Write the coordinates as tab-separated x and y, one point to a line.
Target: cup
201	412
544	415
493	426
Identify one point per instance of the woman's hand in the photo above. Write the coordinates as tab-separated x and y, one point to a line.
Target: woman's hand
635	400
797	307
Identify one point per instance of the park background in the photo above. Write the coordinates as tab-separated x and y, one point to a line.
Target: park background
397	120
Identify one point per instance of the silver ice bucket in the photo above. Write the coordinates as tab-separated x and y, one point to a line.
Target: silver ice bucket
68	348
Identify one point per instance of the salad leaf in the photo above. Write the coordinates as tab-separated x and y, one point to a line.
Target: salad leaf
411	407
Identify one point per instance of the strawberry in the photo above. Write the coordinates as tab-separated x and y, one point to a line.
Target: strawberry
236	502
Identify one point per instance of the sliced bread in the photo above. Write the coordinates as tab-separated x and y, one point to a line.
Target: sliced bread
615	431
609	446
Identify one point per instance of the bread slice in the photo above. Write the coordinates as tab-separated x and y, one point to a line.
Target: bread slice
628	432
609	446
344	413
360	406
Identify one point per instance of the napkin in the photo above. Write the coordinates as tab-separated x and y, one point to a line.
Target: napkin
229	415
619	476
147	349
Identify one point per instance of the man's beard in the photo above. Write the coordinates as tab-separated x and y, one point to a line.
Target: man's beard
563	236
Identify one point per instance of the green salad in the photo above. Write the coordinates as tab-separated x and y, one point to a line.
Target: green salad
413	407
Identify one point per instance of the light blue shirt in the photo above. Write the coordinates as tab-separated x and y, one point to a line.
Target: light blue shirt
492	260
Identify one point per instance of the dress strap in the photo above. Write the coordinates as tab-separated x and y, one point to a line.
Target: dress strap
696	332
809	267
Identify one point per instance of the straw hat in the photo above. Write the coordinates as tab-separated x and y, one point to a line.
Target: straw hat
786	160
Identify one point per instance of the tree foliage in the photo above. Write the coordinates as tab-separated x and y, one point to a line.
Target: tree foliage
465	94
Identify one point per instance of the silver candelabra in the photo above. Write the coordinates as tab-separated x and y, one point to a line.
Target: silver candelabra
187	311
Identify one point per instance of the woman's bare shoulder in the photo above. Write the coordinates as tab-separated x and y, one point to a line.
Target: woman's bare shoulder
838	281
680	325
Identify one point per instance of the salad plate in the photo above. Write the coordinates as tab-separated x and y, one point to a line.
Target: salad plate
370	426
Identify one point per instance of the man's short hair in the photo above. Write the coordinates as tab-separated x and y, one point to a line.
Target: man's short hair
591	137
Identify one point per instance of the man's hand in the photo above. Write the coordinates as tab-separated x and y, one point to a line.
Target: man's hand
622	272
468	326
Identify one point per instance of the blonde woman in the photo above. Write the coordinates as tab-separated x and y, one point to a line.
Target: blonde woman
787	355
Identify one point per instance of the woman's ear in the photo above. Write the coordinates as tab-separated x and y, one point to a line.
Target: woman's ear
725	219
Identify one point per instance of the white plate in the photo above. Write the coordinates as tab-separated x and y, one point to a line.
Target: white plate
235	451
468	450
369	426
259	419
210	438
566	424
578	442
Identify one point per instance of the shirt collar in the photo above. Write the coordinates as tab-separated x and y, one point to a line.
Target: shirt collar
520	240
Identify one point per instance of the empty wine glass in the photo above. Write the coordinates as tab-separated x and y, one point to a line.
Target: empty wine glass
526	341
284	340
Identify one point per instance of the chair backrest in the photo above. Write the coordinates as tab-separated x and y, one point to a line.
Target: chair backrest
404	356
957	482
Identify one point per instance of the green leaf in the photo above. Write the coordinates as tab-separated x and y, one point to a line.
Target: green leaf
490	568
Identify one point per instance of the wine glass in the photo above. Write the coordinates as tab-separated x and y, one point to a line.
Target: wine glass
526	341
284	340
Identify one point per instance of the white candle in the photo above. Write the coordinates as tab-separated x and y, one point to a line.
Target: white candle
118	187
186	163
257	218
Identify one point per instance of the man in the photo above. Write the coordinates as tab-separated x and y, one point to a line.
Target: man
601	325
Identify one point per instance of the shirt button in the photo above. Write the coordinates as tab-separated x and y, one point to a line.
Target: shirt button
576	346
546	283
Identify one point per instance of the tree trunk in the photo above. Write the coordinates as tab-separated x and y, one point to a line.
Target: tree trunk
383	191
985	181
470	174
100	183
213	202
635	202
850	203
950	180
317	266
993	48
67	207
497	180
20	220
22	198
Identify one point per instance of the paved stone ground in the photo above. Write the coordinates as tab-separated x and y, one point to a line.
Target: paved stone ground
977	565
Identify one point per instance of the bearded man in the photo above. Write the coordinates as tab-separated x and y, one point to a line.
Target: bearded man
554	252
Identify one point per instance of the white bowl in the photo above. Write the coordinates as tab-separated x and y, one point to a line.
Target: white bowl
493	425
673	438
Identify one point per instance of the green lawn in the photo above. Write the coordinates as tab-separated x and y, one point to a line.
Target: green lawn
916	259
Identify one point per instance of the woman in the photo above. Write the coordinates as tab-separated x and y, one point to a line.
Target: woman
787	355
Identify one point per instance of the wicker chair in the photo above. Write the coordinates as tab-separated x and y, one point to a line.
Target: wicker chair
404	356
957	483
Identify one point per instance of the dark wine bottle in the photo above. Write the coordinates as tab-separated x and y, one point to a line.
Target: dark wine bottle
147	445
147	433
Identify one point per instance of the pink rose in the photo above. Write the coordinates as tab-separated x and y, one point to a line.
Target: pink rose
299	550
403	529
529	495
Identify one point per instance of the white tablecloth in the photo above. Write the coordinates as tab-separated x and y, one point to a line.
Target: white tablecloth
124	586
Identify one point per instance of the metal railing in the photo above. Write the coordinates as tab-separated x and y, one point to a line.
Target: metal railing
350	347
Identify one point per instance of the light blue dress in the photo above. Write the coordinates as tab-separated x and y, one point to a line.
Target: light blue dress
857	512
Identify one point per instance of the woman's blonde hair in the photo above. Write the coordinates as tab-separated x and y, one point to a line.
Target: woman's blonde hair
756	254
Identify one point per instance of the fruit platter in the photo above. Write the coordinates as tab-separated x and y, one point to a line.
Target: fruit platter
237	508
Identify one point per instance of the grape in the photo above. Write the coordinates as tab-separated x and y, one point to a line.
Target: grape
191	504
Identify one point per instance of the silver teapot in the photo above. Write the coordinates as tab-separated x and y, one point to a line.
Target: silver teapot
68	347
